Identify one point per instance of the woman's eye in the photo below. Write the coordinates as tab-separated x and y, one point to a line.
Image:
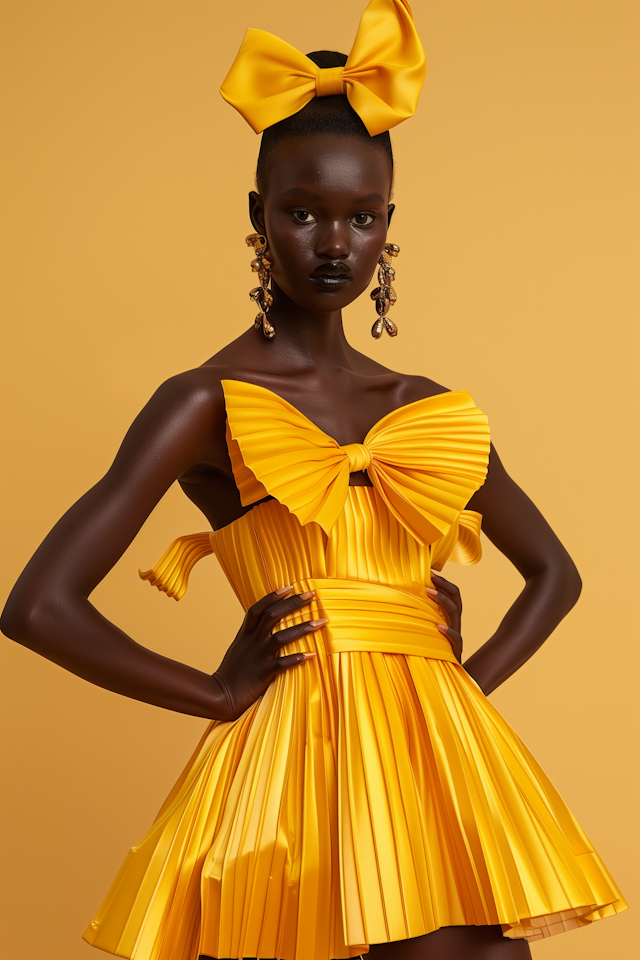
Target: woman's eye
303	216
363	219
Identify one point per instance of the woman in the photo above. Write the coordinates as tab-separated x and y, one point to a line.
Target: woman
355	792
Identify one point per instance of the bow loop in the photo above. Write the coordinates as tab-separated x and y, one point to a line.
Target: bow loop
270	80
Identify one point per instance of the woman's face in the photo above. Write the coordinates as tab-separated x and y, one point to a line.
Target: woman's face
325	214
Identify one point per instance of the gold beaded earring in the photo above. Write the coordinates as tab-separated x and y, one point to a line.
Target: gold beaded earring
261	295
384	295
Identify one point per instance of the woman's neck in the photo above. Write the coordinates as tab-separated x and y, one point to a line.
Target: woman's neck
307	338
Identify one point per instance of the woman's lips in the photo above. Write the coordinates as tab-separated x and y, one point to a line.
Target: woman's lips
326	281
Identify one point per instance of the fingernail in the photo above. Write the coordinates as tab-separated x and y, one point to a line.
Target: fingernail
317	623
282	590
307	595
441	627
433	593
308	656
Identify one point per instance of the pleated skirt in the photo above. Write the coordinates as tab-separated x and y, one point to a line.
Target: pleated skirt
365	798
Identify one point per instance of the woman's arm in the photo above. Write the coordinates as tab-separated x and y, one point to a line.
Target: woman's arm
552	583
49	610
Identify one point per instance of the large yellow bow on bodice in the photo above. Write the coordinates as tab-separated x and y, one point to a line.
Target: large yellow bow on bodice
270	80
425	459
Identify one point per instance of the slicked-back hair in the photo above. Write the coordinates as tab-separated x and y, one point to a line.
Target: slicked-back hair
322	115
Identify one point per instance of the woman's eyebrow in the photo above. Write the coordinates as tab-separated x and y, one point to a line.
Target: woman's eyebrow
308	195
370	198
299	192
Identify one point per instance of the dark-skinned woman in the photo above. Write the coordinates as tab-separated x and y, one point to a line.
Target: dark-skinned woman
355	791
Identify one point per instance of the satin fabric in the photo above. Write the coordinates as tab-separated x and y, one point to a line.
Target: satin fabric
425	459
270	80
373	793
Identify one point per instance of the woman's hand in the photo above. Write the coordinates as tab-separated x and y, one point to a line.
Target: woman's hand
253	661
448	598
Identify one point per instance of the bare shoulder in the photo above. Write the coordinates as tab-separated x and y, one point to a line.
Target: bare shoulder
186	411
196	386
197	389
413	388
198	392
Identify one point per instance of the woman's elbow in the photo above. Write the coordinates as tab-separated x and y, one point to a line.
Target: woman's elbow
571	582
25	621
559	579
14	619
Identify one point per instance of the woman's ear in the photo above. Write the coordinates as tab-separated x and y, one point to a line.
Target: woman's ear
392	207
256	212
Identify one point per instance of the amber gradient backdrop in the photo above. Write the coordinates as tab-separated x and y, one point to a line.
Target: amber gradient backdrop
124	190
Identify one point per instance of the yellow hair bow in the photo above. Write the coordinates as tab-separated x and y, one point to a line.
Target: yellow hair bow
382	78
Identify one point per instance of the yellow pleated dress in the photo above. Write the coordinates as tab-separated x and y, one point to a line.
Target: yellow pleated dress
374	793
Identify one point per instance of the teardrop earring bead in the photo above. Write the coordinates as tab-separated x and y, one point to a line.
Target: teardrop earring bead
261	295
384	295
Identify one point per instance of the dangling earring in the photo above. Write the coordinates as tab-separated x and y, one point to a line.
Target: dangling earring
385	295
261	295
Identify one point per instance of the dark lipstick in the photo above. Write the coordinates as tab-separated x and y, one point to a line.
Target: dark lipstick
331	276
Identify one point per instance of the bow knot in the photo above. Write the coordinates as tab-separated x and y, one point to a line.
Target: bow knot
270	80
329	82
359	456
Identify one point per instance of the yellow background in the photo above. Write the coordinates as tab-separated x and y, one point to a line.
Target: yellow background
125	186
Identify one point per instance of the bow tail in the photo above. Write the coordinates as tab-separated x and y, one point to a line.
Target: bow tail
316	495
423	529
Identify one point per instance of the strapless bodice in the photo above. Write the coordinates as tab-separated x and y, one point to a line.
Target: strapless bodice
369	574
366	551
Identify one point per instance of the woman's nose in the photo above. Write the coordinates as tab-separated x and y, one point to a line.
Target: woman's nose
333	242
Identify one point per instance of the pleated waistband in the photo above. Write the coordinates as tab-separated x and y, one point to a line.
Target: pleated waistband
374	617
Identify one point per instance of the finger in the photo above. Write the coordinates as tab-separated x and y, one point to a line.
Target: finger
276	611
445	603
449	590
454	638
453	635
282	637
445	586
293	660
256	610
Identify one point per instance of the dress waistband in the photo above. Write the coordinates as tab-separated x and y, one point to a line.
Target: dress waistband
373	617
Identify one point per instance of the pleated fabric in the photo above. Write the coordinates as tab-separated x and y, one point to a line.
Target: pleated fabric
425	459
372	793
366	797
